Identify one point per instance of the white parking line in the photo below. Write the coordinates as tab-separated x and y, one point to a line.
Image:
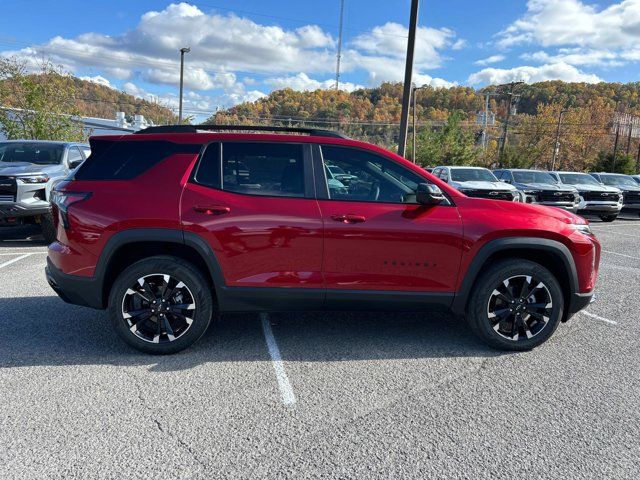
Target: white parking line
598	317
286	392
621	254
19	252
14	260
618	233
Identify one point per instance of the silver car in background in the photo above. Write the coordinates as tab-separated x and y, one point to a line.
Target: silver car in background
29	170
595	198
477	182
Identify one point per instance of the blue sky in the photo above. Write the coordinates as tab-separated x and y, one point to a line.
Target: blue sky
242	50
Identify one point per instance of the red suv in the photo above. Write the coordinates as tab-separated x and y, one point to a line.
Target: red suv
168	226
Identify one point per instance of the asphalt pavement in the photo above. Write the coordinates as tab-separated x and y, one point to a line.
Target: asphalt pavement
318	395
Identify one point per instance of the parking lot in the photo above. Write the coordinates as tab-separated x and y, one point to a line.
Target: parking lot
319	395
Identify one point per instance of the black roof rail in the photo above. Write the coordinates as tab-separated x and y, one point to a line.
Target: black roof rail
314	132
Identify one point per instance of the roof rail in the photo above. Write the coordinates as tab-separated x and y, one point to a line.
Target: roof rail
314	132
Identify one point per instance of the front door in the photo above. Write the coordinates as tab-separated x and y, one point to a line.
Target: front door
377	238
253	203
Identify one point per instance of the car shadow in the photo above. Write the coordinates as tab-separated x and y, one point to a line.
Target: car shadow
44	331
22	236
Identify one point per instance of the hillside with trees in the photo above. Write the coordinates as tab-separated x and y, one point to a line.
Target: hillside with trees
447	127
46	100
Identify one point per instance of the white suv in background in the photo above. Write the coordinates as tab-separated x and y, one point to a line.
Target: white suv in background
477	182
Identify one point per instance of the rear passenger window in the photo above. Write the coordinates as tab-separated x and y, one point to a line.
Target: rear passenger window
263	169
123	160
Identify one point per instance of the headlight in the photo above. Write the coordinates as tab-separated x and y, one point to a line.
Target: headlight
583	228
34	179
531	192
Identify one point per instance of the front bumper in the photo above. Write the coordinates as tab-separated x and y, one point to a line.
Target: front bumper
577	302
570	207
20	210
631	206
82	291
599	207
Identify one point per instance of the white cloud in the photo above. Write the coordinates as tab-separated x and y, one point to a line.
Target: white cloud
490	60
572	22
529	74
302	82
99	80
226	47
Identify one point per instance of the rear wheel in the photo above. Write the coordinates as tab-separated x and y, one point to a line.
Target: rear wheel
516	305
160	305
608	218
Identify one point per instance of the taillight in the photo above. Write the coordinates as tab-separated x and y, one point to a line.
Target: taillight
63	200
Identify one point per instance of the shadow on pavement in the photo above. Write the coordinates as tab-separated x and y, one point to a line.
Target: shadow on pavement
23	236
44	331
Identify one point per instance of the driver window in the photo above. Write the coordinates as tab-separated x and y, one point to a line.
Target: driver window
360	176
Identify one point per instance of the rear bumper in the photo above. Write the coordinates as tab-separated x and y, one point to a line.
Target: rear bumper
82	291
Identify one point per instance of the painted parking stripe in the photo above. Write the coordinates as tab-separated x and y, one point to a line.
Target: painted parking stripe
598	317
621	254
14	260
618	233
286	392
21	251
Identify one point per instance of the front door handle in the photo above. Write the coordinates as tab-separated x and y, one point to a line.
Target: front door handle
349	218
212	209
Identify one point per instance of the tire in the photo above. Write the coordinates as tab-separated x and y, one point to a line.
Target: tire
608	218
48	228
484	302
154	332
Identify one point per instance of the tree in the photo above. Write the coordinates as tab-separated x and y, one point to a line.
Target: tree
451	145
624	164
43	105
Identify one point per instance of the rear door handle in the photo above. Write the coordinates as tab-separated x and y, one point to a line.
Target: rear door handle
212	209
349	218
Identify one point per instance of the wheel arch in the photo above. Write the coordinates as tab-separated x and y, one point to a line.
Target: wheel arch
551	254
129	246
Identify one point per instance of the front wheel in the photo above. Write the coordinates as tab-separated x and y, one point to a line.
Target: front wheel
608	218
516	305
48	228
160	305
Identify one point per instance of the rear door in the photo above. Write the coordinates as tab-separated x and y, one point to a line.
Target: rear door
254	204
377	238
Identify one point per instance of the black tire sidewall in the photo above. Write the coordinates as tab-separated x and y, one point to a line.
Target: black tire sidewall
477	308
608	218
47	227
179	269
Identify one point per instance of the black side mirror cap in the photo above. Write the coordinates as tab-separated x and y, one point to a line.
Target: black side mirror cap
428	194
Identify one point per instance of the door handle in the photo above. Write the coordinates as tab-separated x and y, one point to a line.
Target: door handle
349	218
212	209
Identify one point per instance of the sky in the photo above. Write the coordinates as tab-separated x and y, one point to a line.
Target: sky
243	49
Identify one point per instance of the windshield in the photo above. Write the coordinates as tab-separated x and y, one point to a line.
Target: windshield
531	176
38	153
618	180
472	174
578	179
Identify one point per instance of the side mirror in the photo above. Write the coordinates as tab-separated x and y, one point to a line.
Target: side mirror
75	163
428	194
504	180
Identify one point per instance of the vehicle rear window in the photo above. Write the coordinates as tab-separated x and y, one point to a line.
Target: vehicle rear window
123	160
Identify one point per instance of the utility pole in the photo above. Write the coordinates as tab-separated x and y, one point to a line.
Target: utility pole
485	128
503	143
182	52
556	148
413	132
339	55
615	148
408	73
630	132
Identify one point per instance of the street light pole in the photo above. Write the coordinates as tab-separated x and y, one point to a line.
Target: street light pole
408	73
556	148
182	52
413	132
